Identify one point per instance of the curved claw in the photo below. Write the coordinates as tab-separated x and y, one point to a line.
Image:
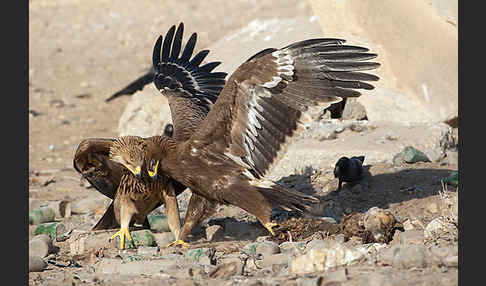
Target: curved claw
122	233
178	242
269	226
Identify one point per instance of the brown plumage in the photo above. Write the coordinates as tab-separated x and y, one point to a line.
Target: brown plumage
179	71
92	160
261	108
111	166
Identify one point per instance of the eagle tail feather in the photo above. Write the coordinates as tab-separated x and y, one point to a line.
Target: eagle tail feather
107	221
279	196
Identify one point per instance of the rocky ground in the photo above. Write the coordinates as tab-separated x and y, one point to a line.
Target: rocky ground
81	52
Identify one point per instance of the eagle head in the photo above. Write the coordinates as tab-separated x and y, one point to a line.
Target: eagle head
128	151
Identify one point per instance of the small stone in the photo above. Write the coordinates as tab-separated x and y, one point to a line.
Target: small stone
385	256
136	267
410	155
88	205
408	225
211	231
267	247
77	246
452	179
40	245
451	261
227	270
276	259
410	256
340	238
391	137
262	248
378	279
321	259
336	276
432	208
36	264
293	247
330	135
316	243
414	236
196	272
143	237
81	242
158	223
199	255
440	227
147	251
440	254
61	208
164	238
41	215
51	147
55	230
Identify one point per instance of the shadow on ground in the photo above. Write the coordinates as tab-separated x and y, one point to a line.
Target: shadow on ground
381	186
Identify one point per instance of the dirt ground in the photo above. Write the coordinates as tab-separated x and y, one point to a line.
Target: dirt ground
82	51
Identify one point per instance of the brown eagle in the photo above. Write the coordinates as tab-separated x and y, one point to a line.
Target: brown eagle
92	157
108	165
260	109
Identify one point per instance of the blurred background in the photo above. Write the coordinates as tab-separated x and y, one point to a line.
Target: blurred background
82	52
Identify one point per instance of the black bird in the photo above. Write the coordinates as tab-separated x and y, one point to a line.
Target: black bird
349	170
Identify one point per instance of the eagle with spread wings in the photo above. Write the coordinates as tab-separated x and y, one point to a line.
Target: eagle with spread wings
113	166
263	106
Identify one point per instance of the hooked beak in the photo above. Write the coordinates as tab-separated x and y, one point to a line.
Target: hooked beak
137	172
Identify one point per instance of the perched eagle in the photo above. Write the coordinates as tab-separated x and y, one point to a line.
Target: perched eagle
260	109
107	165
92	155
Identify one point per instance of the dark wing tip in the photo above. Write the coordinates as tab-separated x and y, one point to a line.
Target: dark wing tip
167	43
156	52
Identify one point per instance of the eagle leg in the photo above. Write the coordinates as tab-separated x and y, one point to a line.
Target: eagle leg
177	243
172	210
122	233
269	226
124	210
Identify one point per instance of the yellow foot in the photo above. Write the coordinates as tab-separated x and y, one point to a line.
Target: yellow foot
269	226
178	242
122	233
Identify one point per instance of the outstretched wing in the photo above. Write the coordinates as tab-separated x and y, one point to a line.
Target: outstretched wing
92	161
191	88
263	105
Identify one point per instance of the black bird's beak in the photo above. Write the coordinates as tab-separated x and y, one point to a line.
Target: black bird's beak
337	172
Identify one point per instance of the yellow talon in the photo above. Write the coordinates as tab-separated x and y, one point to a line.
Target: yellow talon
122	233
178	242
269	226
